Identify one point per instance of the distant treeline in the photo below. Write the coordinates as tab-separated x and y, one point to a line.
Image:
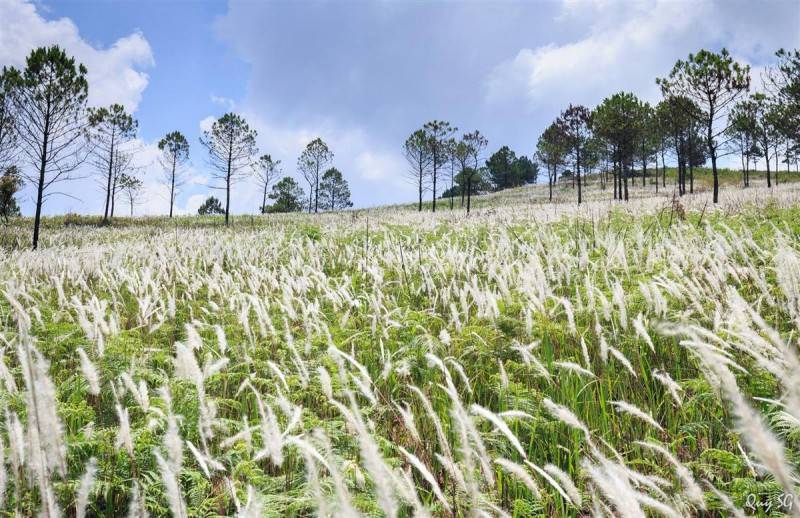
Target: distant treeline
48	133
705	114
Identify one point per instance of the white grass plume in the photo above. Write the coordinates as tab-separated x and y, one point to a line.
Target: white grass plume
575	368
633	410
176	503
726	501
373	461
693	491
641	331
615	487
670	384
616	353
172	437
521	473
565	415
407	417
566	483
587	362
427	475
550	480
89	373
325	382
501	425
85	487
255	506
136	507
124	438
504	381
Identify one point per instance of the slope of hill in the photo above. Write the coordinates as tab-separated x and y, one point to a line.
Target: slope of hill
530	359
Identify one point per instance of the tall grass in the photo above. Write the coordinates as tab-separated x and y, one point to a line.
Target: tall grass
527	361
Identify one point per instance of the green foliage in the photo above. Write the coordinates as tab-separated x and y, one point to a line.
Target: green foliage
311	163
8	119
49	98
616	120
500	169
713	81
175	147
231	145
111	122
287	196
210	207
10	184
698	432
334	191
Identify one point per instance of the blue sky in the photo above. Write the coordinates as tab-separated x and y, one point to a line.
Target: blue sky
190	63
364	74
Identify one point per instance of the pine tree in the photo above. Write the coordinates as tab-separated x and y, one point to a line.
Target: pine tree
334	191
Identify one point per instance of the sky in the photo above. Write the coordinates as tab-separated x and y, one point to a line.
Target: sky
363	75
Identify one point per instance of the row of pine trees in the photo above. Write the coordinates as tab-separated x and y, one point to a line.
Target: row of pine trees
707	112
48	136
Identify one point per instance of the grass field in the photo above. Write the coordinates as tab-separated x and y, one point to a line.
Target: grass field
532	359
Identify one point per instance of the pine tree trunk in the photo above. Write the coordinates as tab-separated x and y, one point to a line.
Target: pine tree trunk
616	184
113	196
716	176
434	181
657	174
420	191
39	195
172	184
37	220
644	168
316	190
578	171
469	192
108	186
625	179
769	175
227	198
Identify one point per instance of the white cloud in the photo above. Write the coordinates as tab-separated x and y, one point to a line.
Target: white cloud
193	203
372	165
86	195
198	180
225	102
206	123
370	170
626	54
116	74
628	44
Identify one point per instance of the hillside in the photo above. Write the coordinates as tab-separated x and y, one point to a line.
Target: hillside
531	359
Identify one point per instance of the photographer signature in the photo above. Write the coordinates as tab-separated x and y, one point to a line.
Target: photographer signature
783	501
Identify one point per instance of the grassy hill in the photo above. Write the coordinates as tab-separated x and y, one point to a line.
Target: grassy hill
532	359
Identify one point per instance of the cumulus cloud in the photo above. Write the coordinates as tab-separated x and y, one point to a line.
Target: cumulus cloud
206	123
155	198
193	203
86	195
370	169
626	45
116	74
379	166
225	102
